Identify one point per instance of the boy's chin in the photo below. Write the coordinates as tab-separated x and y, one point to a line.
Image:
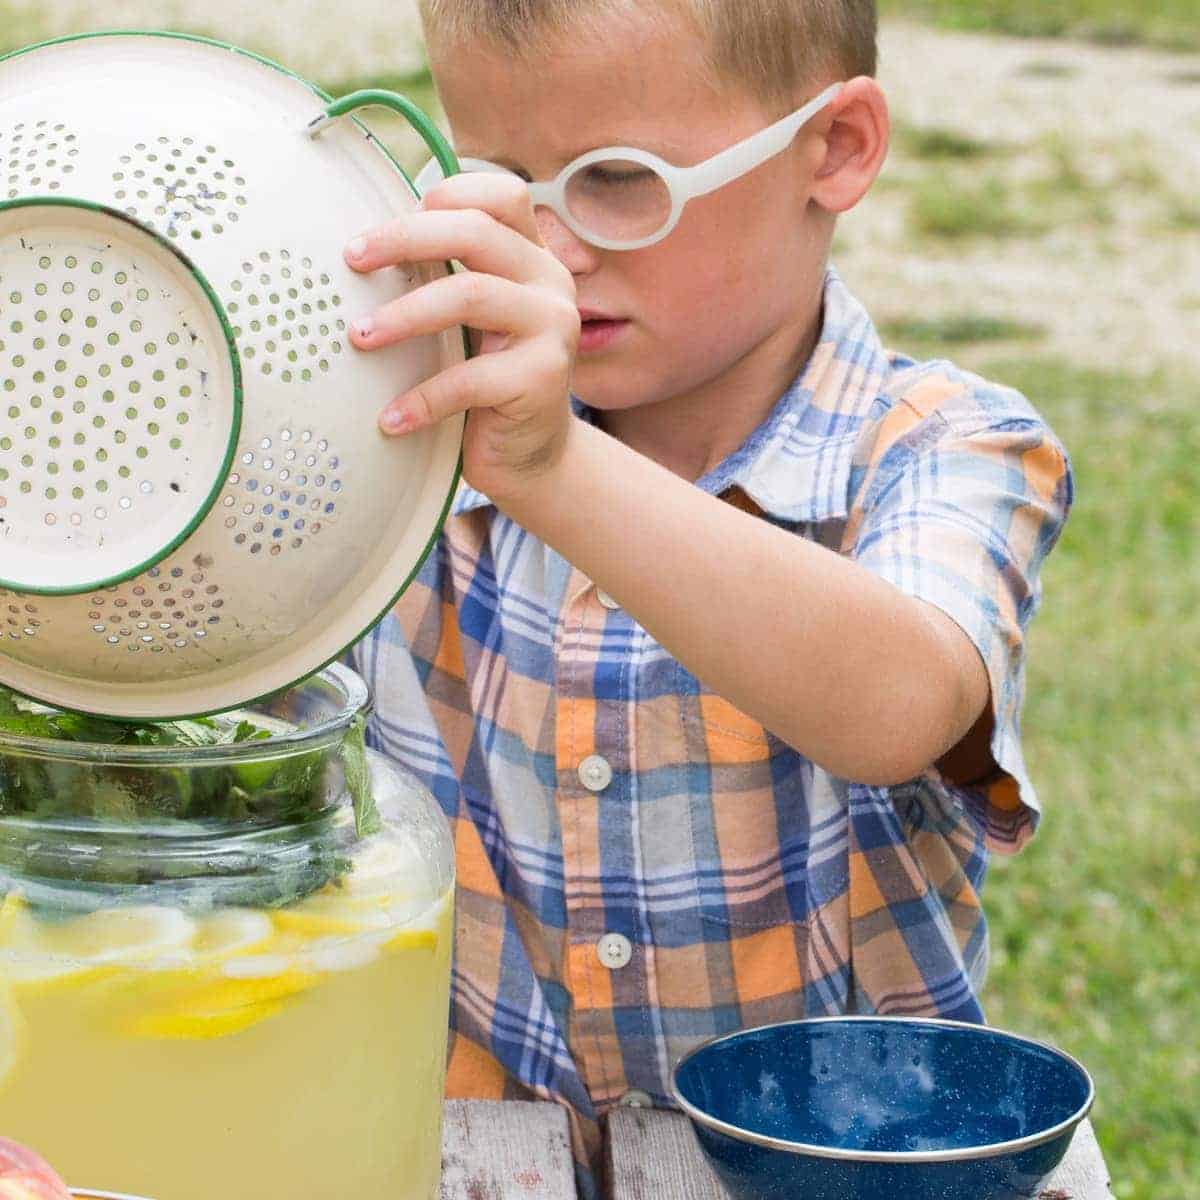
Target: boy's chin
612	386
608	399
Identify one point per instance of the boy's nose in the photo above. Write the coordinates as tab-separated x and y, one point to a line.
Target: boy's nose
573	252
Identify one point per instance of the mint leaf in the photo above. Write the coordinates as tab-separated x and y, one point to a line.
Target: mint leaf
27	724
193	733
273	794
358	779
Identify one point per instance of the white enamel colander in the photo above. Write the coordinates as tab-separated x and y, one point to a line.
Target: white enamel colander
196	505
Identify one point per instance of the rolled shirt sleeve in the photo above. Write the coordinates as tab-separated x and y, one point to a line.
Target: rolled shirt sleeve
963	493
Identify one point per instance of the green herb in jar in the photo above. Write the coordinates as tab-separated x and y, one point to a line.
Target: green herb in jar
275	789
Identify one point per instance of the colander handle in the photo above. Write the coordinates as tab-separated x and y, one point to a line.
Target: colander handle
416	117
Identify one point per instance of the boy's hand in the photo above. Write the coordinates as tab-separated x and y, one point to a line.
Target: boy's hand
518	301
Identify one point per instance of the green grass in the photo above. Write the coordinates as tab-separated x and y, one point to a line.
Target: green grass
1045	68
1174	24
1094	926
945	208
931	334
935	142
1183	216
952	199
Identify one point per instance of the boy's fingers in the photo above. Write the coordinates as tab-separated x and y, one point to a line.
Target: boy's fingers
487	381
484	302
506	197
475	238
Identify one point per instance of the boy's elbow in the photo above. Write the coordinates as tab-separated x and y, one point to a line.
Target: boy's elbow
888	770
949	704
878	758
888	754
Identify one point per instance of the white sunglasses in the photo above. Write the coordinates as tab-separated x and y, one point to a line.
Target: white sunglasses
621	198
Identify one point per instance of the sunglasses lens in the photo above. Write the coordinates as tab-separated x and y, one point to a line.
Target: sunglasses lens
619	200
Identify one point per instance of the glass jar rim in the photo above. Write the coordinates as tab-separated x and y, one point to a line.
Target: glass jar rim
356	700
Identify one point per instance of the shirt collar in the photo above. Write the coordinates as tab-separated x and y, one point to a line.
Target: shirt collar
796	465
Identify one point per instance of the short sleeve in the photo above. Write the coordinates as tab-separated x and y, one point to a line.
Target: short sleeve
964	492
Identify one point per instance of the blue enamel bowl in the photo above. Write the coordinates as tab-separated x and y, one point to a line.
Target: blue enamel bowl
882	1108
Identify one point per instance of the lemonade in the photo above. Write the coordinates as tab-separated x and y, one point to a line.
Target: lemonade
243	1053
225	952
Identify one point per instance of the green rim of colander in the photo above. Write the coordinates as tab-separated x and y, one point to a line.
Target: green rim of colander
235	425
321	94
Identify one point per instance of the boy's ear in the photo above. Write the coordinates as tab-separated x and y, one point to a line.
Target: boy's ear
857	128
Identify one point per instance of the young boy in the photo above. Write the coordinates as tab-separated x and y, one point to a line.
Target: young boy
717	665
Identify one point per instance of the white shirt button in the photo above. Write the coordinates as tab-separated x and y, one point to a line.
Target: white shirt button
595	773
615	950
606	599
636	1098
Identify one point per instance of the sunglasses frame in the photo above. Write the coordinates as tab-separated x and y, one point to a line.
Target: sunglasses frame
683	183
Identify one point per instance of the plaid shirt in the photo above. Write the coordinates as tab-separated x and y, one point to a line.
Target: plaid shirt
640	864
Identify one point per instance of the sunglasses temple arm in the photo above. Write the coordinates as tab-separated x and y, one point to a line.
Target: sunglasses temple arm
742	157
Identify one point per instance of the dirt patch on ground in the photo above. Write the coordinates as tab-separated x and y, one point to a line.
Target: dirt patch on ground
1121	289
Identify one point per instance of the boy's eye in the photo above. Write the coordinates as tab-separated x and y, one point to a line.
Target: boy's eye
619	199
617	174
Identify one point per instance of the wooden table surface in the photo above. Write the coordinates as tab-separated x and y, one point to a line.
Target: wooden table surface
513	1151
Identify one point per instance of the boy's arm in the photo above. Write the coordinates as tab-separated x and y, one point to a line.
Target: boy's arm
866	681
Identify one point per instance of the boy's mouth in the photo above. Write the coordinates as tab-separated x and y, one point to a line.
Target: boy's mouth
598	331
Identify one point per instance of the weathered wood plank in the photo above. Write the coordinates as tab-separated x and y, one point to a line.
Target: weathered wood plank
1082	1175
653	1155
506	1151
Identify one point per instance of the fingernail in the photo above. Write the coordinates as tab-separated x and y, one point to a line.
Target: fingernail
395	420
364	327
357	248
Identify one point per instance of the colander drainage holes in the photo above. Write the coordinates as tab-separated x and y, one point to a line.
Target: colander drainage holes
285	315
36	157
96	391
181	186
282	493
19	617
166	609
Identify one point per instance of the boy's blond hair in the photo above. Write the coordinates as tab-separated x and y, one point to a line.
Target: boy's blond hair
774	48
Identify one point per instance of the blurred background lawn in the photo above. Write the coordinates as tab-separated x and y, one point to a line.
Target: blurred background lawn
1096	928
1170	23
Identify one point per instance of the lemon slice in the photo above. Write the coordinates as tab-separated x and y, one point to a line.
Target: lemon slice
137	933
412	939
218	1008
388	886
231	932
330	912
24	962
201	1024
386	867
41	955
16	925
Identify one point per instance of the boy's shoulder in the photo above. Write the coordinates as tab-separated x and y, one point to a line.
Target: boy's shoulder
961	399
859	415
936	427
855	383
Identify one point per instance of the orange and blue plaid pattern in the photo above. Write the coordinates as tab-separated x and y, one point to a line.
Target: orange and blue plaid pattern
746	885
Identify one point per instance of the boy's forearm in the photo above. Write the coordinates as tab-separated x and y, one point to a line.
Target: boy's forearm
869	683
